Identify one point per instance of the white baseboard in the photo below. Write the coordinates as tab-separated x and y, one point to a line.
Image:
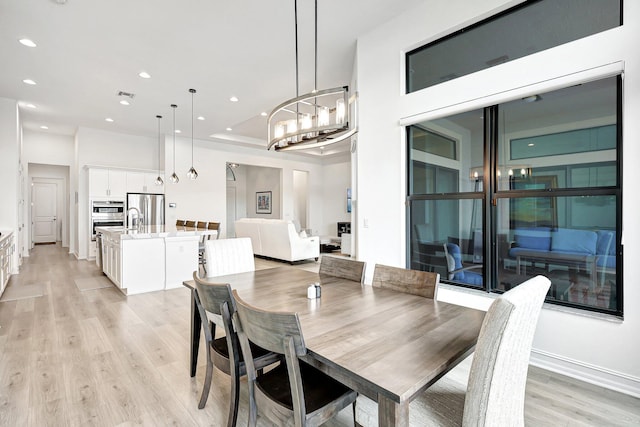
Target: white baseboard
592	374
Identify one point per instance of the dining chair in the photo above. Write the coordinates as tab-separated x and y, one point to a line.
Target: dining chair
495	388
191	224
202	260
228	256
180	222
293	393
215	302
422	283
459	273
342	267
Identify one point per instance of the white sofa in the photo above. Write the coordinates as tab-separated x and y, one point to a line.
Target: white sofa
277	238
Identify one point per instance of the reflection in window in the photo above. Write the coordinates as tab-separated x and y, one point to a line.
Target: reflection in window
578	253
553	202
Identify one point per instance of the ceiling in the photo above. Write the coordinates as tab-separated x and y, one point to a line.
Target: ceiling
89	50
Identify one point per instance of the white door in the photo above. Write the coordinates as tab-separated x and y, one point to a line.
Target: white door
44	212
231	212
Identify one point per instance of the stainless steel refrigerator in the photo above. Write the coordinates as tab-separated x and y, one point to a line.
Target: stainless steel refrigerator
151	207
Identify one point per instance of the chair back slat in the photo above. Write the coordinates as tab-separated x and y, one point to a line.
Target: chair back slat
214	295
422	283
268	329
342	267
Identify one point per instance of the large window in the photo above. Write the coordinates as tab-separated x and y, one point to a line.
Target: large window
520	31
534	189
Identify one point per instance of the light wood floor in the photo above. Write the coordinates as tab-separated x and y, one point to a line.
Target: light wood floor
96	357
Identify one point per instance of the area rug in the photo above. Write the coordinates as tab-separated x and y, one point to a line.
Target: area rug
16	292
91	283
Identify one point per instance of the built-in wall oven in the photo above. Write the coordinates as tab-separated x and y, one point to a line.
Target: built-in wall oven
106	213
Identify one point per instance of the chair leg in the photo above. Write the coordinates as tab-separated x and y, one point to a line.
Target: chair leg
207	380
234	399
355	423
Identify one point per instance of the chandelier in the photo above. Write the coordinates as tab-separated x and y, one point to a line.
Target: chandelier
316	119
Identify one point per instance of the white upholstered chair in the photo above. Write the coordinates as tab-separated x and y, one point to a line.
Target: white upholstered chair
228	256
496	385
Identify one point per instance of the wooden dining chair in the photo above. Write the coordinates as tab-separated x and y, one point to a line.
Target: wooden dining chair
214	226
495	389
422	283
215	303
189	223
229	256
180	222
345	268
293	393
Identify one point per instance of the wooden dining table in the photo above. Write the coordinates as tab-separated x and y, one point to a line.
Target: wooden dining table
389	346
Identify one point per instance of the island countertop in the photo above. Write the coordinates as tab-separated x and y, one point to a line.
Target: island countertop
154	231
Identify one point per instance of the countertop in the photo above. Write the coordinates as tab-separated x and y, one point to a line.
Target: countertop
153	231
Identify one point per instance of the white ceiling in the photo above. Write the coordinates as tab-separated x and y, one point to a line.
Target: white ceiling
89	50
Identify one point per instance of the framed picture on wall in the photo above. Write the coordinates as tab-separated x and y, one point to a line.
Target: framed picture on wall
263	202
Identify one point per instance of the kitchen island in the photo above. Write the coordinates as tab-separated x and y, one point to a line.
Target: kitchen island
152	258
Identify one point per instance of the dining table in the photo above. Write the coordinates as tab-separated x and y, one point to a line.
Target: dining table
387	345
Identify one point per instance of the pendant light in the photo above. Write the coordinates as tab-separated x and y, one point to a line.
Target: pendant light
159	180
192	174
315	119
174	178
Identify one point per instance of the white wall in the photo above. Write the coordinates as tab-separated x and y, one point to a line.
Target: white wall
206	197
10	175
98	147
41	149
337	178
604	351
260	179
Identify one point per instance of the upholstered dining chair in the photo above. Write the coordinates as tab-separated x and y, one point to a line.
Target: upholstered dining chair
422	283
294	393
228	256
224	353
202	225
342	267
495	388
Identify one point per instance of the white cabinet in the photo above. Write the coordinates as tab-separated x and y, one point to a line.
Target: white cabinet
143	182
107	183
111	259
6	253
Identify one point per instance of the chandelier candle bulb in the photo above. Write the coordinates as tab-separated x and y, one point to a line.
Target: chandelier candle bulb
340	111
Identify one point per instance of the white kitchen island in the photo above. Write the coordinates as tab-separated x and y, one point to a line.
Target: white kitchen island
153	258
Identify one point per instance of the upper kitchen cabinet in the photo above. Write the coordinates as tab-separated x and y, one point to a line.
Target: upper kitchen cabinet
143	182
107	183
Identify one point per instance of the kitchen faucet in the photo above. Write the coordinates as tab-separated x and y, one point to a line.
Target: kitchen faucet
139	224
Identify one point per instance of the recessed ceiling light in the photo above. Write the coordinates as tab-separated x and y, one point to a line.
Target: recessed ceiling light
263	114
44	127
531	144
124	102
200	118
29	81
27	42
229	129
234	99
178	131
108	119
30	106
144	75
